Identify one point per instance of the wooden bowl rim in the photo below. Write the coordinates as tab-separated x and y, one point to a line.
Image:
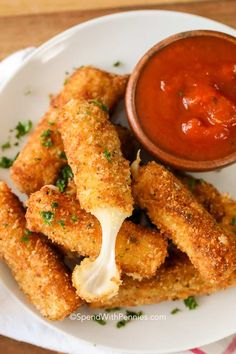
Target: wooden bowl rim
150	146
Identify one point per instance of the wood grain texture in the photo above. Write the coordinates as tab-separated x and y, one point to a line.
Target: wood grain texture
22	7
11	346
18	32
26	23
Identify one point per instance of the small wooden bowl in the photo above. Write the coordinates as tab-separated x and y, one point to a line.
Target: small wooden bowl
150	146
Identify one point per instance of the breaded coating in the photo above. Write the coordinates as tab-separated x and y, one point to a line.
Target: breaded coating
174	210
206	194
36	267
41	159
92	146
229	219
177	279
139	250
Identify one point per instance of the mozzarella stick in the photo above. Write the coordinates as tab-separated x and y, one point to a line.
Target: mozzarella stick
206	194
139	250
41	159
177	279
229	219
102	179
34	264
173	209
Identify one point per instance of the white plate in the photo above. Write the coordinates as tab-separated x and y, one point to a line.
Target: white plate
101	42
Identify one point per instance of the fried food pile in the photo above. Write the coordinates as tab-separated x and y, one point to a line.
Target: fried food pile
157	236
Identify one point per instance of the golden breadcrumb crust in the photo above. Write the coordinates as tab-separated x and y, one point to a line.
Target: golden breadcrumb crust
38	164
229	219
139	251
177	279
36	267
174	210
206	194
92	146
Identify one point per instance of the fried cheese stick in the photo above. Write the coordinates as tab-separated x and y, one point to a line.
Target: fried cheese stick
139	251
102	179
36	267
41	159
206	194
177	279
173	209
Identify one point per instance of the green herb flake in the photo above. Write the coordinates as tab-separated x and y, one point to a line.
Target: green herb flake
66	81
191	303
62	223
114	309
28	92
121	323
107	155
180	93
28	232
25	239
62	155
23	128
117	63
99	320
51	123
46	139
131	315
191	184
234	221
16	144
54	205
201	181
74	218
100	105
174	311
47	216
63	178
5	162
5	146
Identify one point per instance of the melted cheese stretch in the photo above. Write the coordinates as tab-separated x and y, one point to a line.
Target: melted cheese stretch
101	278
102	178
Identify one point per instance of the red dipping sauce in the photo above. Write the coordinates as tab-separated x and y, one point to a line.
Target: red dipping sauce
186	98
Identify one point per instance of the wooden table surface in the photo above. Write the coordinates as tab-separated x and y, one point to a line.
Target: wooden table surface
26	23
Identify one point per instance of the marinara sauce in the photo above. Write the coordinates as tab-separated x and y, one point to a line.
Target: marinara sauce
186	98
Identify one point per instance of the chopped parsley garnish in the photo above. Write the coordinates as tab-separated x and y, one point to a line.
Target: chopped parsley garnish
62	155
54	205
28	232
99	320
25	239
5	146
23	128
192	184
51	123
46	139
130	316
113	309
63	178
66	81
234	221
191	303
107	155
117	63
47	216
174	311
5	162
100	105
74	218
61	222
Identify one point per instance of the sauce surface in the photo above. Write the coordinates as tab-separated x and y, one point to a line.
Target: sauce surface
186	98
